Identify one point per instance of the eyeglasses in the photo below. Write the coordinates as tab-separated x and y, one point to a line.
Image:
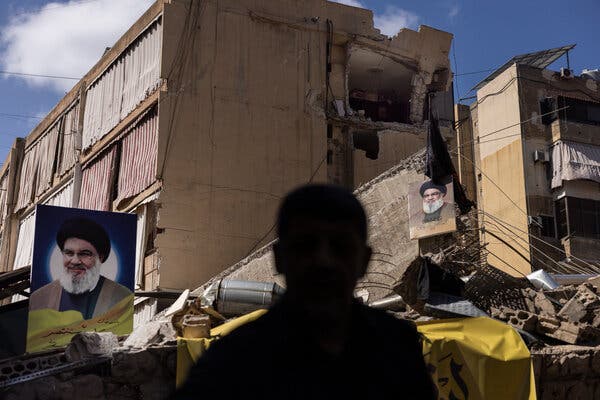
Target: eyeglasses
84	255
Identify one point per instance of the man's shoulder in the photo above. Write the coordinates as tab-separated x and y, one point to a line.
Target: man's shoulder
54	285
116	288
45	296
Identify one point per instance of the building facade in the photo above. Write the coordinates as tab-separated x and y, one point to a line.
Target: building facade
205	113
536	159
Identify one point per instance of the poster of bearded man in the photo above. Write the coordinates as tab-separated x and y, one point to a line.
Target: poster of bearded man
431	209
82	275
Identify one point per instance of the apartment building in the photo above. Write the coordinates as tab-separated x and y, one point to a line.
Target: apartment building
205	113
536	159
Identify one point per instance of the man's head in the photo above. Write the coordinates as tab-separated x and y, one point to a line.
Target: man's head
433	196
322	248
84	245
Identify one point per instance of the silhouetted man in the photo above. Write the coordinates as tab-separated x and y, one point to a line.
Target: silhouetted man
318	342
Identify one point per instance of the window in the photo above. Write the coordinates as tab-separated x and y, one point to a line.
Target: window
561	218
379	88
581	111
578	217
547	229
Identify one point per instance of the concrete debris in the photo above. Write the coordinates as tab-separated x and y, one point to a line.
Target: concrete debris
179	304
568	332
152	333
583	305
196	326
91	344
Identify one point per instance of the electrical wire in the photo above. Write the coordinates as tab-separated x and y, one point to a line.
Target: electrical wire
491	181
38	75
476	72
498	219
20	116
515	235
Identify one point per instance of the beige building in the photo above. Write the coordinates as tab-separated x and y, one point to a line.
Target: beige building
536	158
205	113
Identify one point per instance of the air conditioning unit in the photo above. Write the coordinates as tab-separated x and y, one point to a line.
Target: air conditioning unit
566	73
541	156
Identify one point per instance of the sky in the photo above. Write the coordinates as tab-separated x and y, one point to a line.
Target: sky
66	37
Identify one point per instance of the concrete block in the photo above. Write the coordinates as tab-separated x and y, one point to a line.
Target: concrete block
517	318
543	305
153	332
576	333
582	306
91	344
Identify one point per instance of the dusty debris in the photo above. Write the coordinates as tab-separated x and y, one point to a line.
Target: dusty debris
152	333
196	326
553	327
91	344
583	305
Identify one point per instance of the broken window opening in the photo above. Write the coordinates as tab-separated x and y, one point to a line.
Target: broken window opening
367	141
379	88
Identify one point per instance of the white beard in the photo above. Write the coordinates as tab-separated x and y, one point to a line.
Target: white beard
76	285
430	208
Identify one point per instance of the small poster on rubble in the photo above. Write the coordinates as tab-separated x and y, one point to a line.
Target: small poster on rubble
431	209
82	275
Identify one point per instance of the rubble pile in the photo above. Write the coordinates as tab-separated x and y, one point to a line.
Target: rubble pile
566	314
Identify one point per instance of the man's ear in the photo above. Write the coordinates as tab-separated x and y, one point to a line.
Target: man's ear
365	261
279	267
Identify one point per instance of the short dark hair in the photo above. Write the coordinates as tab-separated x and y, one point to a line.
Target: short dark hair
86	229
322	202
430	185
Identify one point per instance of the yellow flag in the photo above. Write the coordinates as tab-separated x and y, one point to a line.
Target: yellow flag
477	358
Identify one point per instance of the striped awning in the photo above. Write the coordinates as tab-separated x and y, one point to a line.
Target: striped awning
575	161
137	169
96	183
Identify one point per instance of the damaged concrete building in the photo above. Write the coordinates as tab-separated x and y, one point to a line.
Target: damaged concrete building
534	148
205	113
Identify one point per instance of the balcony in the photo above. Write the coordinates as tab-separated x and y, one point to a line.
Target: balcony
566	130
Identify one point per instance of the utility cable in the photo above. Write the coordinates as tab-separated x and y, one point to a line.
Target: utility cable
38	75
20	116
538	238
560	266
491	181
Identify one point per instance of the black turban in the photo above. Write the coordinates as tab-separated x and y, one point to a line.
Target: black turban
85	229
430	185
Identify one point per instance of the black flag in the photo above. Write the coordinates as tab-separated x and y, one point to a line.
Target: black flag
440	168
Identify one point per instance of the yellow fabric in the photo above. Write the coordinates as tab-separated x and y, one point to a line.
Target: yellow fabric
469	358
49	329
477	358
190	350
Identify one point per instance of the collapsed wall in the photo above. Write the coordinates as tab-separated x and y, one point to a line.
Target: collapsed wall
385	200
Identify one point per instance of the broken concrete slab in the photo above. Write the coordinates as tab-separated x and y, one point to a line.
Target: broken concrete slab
582	306
568	332
91	344
154	332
